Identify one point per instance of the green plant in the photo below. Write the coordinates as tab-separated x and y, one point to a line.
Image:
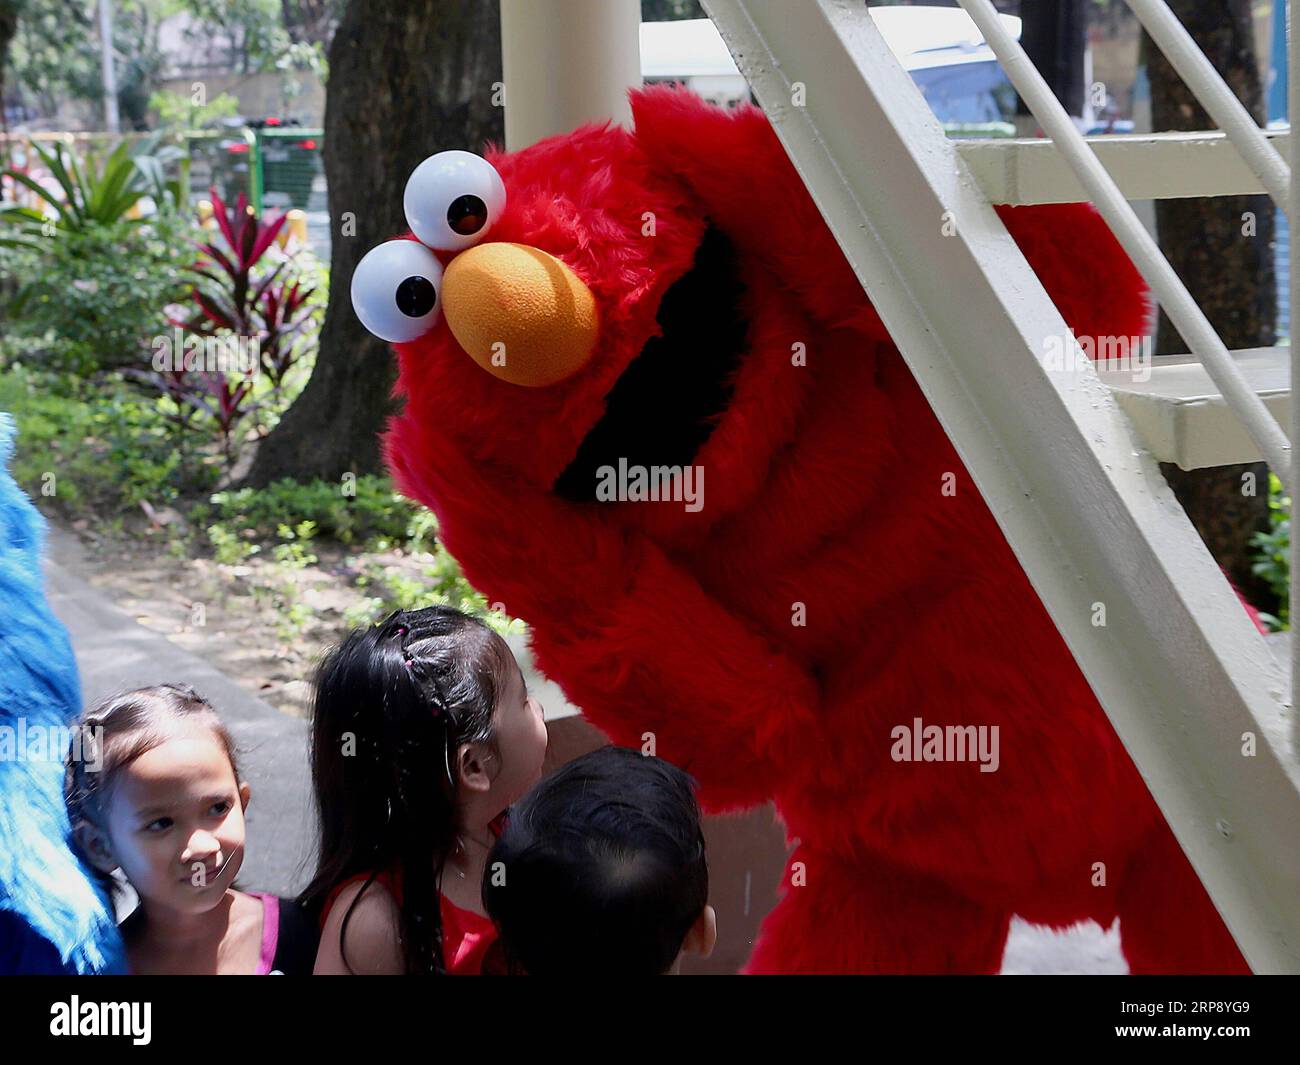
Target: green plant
96	447
93	298
1273	553
86	196
440	582
294	553
349	513
228	547
364	612
293	617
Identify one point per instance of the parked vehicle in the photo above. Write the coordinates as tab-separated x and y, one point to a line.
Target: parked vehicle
941	48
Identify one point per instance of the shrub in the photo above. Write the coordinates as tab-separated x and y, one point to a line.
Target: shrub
369	509
96	448
1273	553
94	298
81	194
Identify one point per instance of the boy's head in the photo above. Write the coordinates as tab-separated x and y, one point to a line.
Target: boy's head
601	869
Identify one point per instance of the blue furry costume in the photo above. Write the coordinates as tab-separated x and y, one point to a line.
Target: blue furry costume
53	918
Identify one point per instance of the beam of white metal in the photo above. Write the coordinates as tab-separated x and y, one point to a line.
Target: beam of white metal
1145	166
1219	101
1293	192
1177	302
567	62
1179	668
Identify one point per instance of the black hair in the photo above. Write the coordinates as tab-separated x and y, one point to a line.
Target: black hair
600	868
394	702
124	727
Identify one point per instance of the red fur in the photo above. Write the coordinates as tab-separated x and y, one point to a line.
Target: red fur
822	488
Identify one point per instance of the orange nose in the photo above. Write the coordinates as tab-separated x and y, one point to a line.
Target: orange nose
520	313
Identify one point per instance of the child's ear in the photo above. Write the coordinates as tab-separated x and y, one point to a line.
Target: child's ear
243	795
93	843
703	934
472	761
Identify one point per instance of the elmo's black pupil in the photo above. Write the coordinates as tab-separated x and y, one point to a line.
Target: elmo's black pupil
467	215
416	296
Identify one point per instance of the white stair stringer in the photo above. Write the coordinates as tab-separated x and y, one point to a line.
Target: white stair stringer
1179	668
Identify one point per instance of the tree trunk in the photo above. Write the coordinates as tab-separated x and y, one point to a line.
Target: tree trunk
407	78
8	27
1222	248
1054	34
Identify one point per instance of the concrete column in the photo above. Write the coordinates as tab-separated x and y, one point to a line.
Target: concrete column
567	62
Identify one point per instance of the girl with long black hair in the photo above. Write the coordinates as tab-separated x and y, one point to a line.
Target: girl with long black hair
423	734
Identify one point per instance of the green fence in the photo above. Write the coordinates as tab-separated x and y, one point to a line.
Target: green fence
275	167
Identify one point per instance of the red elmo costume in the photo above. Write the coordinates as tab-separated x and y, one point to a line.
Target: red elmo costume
828	592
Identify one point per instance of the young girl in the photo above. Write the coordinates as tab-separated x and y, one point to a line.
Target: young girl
423	734
163	803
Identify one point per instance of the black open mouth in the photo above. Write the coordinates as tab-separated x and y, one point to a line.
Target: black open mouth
667	402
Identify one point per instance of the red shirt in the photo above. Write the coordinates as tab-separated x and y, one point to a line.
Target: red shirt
466	936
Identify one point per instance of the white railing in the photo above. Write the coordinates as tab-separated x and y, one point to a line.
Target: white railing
1273	172
1177	302
1180	671
1145	166
1293	249
1213	93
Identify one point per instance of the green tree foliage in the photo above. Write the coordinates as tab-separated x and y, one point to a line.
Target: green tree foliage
54	56
253	35
670	10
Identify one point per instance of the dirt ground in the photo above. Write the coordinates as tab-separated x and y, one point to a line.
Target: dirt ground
236	616
262	625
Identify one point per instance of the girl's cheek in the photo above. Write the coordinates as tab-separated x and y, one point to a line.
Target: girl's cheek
232	841
143	866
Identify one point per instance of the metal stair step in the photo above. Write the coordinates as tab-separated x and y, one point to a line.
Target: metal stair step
1182	417
1145	166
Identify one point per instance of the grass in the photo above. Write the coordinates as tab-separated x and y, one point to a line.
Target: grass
98	450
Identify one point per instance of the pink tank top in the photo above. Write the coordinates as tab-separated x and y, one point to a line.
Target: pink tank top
270	932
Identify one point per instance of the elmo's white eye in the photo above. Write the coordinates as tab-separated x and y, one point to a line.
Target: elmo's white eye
452	199
396	290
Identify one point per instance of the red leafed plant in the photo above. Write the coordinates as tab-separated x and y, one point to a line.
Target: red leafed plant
231	296
239	295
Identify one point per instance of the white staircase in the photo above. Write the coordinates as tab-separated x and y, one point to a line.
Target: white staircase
1066	459
1181	416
